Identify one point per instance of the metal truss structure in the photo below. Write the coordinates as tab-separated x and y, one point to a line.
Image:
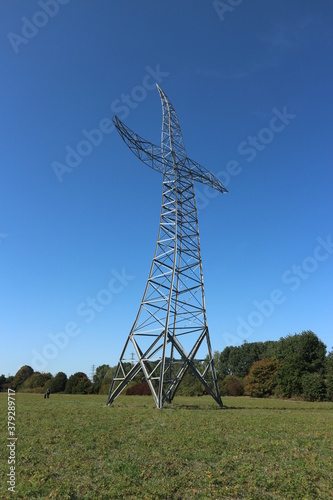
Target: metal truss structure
170	335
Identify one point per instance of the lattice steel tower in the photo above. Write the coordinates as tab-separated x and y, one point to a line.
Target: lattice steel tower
170	333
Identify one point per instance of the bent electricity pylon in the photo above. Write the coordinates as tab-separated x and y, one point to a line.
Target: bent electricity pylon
170	330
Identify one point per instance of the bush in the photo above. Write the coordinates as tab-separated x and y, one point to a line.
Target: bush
231	386
140	389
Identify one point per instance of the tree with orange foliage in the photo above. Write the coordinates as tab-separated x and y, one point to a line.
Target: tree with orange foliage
261	380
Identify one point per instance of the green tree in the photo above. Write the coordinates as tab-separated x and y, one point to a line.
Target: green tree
216	361
57	383
35	383
261	380
21	376
231	386
107	380
313	386
223	362
237	360
329	376
299	354
78	383
2	382
100	373
7	383
190	385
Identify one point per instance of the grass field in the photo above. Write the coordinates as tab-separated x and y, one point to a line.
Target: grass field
75	447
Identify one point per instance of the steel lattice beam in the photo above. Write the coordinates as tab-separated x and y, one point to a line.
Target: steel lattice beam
171	324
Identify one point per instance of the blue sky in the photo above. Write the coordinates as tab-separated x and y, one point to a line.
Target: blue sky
252	86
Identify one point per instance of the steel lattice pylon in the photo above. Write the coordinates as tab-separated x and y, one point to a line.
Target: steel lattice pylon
170	330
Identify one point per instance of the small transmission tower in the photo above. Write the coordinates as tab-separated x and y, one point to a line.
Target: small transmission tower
170	333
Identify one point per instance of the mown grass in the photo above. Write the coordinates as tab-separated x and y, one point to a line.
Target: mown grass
75	447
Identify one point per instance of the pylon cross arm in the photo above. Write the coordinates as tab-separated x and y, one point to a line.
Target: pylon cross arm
153	156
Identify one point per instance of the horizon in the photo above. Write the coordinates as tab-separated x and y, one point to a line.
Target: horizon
92	371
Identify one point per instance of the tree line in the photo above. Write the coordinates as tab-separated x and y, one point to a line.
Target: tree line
295	366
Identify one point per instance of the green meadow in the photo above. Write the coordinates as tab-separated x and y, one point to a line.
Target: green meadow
75	447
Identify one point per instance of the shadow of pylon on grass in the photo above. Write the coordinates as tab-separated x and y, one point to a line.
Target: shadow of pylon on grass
247	408
194	407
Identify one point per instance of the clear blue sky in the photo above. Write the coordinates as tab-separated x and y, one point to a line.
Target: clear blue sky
252	87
